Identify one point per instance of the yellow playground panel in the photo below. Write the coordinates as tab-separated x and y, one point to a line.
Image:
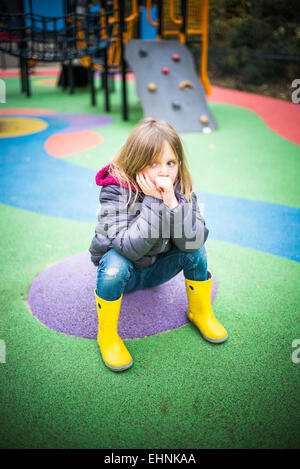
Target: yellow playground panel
114	52
196	25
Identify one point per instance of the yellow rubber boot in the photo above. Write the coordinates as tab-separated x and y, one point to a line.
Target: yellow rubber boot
114	353
200	311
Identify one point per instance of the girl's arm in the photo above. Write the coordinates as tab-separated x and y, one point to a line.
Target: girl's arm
132	236
187	226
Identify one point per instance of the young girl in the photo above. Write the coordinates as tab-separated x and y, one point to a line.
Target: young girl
150	228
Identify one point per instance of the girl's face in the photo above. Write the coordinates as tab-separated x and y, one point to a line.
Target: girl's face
166	165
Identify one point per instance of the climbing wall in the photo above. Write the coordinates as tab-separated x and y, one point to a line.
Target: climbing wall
168	85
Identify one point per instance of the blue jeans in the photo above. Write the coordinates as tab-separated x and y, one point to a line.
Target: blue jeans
117	275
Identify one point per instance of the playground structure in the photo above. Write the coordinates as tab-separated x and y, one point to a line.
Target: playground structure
168	86
181	392
83	36
185	20
98	40
181	19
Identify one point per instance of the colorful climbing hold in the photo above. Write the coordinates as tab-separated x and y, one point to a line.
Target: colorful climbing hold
185	84
176	105
20	126
143	53
204	119
176	57
152	87
165	70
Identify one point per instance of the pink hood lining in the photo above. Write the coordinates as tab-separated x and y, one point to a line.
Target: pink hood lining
104	178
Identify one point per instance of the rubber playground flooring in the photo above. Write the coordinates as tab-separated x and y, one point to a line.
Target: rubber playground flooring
181	392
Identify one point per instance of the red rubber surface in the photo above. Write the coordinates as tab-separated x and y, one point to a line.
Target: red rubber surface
282	117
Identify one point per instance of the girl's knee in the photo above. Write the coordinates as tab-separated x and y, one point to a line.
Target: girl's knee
198	256
112	270
113	265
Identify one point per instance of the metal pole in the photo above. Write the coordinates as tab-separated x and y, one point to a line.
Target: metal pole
105	75
92	84
22	74
160	18
184	16
30	7
27	81
123	64
23	46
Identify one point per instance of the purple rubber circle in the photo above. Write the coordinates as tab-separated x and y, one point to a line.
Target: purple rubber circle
78	122
62	298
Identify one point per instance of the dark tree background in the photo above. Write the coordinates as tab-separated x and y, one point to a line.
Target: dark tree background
254	45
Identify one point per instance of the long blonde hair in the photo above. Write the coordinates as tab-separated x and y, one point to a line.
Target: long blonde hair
143	146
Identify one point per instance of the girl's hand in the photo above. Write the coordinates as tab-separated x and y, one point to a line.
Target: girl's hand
165	184
147	186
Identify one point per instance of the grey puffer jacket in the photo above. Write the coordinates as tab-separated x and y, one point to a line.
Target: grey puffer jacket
149	228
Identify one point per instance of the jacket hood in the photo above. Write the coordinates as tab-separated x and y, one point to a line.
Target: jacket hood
104	178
